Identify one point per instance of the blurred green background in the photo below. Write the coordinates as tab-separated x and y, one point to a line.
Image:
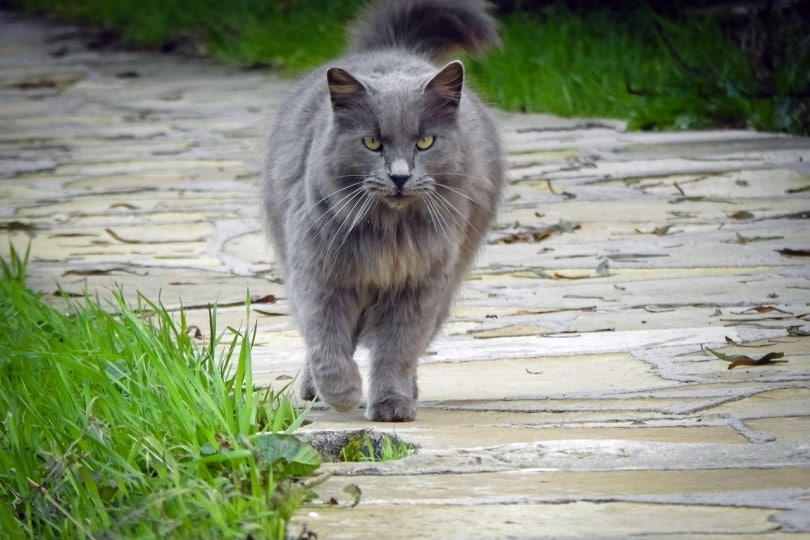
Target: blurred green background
660	65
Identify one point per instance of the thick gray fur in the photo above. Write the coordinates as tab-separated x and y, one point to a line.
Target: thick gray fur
373	244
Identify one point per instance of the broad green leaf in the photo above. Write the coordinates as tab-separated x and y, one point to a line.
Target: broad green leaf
300	458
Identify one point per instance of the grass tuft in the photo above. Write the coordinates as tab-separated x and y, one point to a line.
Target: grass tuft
366	445
116	424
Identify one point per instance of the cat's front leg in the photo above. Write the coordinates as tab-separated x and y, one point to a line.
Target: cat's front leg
328	320
398	335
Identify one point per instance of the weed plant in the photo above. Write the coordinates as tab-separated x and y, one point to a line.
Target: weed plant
116	424
365	445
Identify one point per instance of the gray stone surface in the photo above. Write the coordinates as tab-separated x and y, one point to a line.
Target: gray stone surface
570	395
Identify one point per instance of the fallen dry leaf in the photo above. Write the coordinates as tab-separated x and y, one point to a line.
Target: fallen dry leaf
745	360
763	309
658	231
557	275
748	239
194	331
17	226
266	299
100	272
269	313
538	234
788	252
742	214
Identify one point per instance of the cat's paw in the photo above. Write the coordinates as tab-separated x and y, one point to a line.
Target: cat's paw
343	399
393	408
306	387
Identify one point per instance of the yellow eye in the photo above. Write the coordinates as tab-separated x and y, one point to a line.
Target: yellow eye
371	143
425	142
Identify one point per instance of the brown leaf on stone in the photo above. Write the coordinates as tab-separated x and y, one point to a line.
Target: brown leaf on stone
557	275
99	271
17	226
748	361
266	299
565	194
269	313
658	231
748	239
68	294
538	234
35	84
114	235
742	214
763	309
194	331
787	252
745	360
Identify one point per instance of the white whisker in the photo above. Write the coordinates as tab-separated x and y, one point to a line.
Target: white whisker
436	217
458	192
442	200
354	198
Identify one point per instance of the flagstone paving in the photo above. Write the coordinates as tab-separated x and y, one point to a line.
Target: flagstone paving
572	393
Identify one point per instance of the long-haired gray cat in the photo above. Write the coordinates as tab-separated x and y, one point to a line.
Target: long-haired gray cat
382	176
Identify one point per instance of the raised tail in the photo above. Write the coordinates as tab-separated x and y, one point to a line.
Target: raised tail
430	28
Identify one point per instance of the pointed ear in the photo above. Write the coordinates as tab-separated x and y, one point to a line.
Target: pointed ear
343	87
447	83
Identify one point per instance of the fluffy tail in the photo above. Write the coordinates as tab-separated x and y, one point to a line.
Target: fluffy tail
430	28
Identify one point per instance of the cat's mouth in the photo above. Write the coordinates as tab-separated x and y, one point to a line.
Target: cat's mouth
399	199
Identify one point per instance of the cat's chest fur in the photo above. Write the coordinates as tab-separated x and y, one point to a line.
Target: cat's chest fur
404	253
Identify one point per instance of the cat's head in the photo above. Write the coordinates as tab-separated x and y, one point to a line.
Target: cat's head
396	135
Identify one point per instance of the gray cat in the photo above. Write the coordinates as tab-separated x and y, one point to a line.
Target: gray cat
382	176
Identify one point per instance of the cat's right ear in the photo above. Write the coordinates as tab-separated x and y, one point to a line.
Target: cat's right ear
343	87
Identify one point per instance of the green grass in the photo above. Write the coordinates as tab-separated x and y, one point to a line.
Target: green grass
368	446
635	64
687	69
117	424
290	35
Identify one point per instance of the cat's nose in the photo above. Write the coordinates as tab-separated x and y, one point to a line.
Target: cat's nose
399	179
400	172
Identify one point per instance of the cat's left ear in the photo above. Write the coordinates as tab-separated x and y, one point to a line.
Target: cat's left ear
447	84
343	87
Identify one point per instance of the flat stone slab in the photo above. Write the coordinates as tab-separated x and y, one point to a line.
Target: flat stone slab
572	394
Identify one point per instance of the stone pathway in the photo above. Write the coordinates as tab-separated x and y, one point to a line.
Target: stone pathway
571	395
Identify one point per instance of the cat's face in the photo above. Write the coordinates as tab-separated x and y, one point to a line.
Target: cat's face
396	140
